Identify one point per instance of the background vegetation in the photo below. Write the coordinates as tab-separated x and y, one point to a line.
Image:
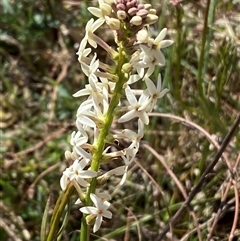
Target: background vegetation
39	73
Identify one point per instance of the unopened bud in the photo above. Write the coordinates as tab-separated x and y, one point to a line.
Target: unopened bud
121	6
147	6
132	11
142	36
142	13
140	6
127	68
74	156
68	155
113	23
136	20
152	11
91	219
121	14
151	19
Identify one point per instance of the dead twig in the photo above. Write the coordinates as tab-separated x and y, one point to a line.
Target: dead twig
178	183
236	215
223	201
198	186
196	126
42	142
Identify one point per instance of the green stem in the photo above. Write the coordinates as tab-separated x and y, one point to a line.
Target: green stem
100	145
177	87
58	210
202	54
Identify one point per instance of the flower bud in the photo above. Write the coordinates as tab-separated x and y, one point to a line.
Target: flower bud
152	11
121	14
147	6
136	20
91	219
140	6
151	19
126	68
113	23
142	13
142	36
68	155
121	6
132	11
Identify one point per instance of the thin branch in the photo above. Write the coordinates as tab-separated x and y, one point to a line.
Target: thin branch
223	200
198	186
236	215
178	183
41	143
196	126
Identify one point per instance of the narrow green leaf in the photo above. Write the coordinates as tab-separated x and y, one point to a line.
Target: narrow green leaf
45	220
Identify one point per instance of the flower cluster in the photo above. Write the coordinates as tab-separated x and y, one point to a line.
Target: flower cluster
135	57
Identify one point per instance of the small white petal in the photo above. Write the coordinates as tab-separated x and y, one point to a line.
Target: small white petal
144	118
97	224
130	96
150	86
166	43
86	121
89	210
129	134
82	182
96	200
81	92
95	11
83	153
107	214
87	174
64	182
97	24
160	58
161	35
127	116
133	78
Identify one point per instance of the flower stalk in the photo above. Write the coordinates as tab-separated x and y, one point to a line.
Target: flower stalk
135	58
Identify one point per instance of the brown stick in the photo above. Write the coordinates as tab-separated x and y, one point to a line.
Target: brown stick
198	186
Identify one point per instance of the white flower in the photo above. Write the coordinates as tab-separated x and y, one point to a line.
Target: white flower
128	158
75	171
102	195
90	28
103	10
136	108
83	52
84	114
133	136
94	93
99	211
152	49
138	63
78	139
155	92
90	70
